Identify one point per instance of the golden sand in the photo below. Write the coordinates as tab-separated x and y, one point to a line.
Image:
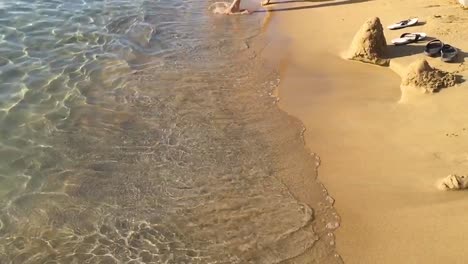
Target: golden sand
383	148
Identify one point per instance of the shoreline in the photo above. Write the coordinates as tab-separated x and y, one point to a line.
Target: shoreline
381	155
300	164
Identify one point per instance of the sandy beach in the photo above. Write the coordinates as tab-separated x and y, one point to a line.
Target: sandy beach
383	148
179	132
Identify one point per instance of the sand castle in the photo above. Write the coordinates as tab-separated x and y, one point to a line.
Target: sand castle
369	44
422	76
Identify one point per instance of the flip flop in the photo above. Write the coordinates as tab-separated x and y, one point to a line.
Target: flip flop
433	48
404	23
448	53
407	38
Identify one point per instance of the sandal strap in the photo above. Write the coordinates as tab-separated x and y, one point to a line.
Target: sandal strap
447	47
404	22
415	36
436	41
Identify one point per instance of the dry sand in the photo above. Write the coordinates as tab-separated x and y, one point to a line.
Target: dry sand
383	148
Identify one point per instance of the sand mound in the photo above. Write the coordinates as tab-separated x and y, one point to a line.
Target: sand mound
369	44
422	76
453	182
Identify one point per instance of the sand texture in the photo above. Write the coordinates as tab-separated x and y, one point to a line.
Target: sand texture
420	75
384	152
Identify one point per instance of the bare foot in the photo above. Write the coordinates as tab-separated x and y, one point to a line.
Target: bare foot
234	9
240	12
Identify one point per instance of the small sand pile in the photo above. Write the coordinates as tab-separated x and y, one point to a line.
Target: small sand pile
422	76
453	182
369	44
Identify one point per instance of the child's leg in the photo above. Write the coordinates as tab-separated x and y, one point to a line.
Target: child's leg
234	8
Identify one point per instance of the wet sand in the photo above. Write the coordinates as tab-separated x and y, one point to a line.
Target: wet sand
382	150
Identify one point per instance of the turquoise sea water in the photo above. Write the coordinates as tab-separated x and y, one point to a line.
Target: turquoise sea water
135	132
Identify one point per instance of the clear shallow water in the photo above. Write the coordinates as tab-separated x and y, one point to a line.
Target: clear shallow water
143	132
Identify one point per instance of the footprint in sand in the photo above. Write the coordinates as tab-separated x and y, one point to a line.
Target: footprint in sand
453	182
456	134
455	21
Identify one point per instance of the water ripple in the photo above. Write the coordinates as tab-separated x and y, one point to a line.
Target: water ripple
122	139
